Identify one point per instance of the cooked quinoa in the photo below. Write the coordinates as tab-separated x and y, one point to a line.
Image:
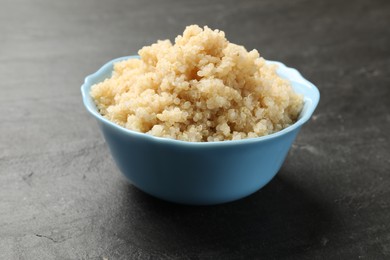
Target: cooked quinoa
200	89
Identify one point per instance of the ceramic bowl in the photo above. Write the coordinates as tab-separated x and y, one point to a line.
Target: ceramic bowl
199	173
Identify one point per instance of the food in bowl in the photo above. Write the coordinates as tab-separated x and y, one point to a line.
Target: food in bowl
200	89
199	173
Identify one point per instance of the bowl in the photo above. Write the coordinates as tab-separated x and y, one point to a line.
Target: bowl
199	173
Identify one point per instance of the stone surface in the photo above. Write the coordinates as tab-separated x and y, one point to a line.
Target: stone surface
61	196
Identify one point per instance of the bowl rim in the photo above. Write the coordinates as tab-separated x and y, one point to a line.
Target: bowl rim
293	75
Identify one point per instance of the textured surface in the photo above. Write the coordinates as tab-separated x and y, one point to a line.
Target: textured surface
61	196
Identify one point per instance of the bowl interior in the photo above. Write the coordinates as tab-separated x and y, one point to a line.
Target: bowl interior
299	84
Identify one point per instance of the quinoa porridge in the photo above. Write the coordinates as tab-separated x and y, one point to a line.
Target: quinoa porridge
200	89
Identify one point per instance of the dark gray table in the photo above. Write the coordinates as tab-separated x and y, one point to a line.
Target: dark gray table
61	196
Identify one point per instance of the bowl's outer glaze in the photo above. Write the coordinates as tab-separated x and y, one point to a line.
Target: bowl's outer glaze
200	173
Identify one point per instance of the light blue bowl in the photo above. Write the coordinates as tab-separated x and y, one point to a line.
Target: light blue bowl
200	173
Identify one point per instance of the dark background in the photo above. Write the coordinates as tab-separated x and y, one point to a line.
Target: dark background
62	197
